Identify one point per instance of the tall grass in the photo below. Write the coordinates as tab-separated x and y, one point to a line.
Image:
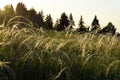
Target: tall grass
35	54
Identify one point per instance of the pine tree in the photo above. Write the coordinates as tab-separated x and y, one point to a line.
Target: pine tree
64	22
21	10
57	23
32	15
95	24
71	21
110	28
81	26
40	19
81	23
48	22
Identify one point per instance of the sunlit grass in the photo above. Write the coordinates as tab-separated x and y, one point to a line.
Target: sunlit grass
36	54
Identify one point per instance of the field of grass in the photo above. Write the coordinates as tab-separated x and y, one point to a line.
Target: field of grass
35	54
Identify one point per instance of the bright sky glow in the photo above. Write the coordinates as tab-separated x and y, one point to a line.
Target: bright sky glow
106	10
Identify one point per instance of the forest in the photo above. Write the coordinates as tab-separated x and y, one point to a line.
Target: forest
65	22
33	47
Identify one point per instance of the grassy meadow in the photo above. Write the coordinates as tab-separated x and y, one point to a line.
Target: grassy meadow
36	54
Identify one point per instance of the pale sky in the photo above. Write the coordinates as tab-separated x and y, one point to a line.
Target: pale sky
106	10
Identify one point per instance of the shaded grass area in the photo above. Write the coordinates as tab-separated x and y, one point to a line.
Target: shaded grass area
35	54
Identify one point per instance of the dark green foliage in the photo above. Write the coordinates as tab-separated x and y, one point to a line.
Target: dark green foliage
110	28
71	21
57	23
64	22
32	15
48	22
37	19
95	24
40	19
21	9
82	28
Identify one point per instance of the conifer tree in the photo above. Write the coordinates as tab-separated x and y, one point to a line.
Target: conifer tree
40	19
57	23
81	26
71	21
32	15
110	28
64	22
95	24
21	9
48	22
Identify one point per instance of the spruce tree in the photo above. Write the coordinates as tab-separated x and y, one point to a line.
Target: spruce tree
21	10
57	23
95	24
48	22
64	22
32	15
110	28
71	21
81	26
40	19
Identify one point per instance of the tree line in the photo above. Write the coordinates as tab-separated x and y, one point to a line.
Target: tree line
46	22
